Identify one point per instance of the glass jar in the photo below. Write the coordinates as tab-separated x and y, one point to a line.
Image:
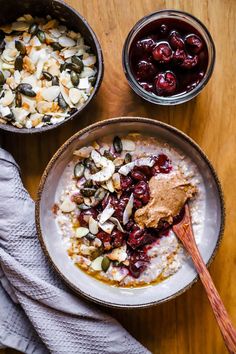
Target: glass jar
140	26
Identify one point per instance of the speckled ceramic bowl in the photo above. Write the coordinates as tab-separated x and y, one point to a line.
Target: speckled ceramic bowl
12	9
88	286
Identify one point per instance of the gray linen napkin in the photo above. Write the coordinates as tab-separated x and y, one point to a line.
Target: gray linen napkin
38	313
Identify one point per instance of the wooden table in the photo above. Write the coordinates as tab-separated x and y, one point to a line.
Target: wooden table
185	325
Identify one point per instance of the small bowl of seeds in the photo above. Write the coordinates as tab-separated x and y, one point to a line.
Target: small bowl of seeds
51	65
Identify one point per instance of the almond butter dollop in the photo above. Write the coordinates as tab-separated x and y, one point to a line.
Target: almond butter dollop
168	194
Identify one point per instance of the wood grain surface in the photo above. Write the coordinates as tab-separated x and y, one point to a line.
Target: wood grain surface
185	325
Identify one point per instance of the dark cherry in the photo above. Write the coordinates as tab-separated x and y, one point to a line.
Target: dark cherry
125	182
117	238
137	175
179	56
141	192
138	262
145	70
135	238
144	170
194	43
165	84
162	53
137	203
105	238
85	214
146	86
146	44
140	237
162	165
173	46
190	62
176	40
130	225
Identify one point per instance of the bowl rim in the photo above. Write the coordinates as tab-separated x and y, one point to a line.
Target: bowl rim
98	125
169	100
12	129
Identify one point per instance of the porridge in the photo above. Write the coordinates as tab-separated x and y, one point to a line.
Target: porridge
117	201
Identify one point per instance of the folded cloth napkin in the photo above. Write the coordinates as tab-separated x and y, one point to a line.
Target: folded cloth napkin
38	313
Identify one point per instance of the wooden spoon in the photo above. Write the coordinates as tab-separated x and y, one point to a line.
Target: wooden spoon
184	232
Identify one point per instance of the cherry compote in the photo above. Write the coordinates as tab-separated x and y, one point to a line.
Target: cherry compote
168	57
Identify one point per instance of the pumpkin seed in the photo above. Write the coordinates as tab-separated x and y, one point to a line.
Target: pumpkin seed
2	45
109	155
19	63
74	78
79	170
73	111
74	67
63	67
90	237
88	192
88	184
92	80
128	158
46	118
55	81
62	103
20	47
100	194
87	162
2	78
56	46
41	36
78	62
105	264
18	99
117	143
91	165
83	206
26	89
33	29
95	254
47	75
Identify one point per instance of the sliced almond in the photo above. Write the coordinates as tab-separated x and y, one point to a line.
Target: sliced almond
50	93
118	254
81	232
128	210
67	205
7	99
74	95
84	152
106	213
20	26
116	181
65	41
107	227
93	226
97	264
128	145
91	60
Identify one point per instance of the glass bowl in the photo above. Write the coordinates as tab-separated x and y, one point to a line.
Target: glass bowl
133	34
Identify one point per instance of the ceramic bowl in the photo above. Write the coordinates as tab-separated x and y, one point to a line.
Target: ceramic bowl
12	9
88	286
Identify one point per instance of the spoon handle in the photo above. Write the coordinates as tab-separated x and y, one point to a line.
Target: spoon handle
184	232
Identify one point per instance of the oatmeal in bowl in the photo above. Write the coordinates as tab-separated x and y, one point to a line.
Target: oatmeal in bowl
107	203
113	214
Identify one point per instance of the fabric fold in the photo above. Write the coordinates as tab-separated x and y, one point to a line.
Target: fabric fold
48	316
